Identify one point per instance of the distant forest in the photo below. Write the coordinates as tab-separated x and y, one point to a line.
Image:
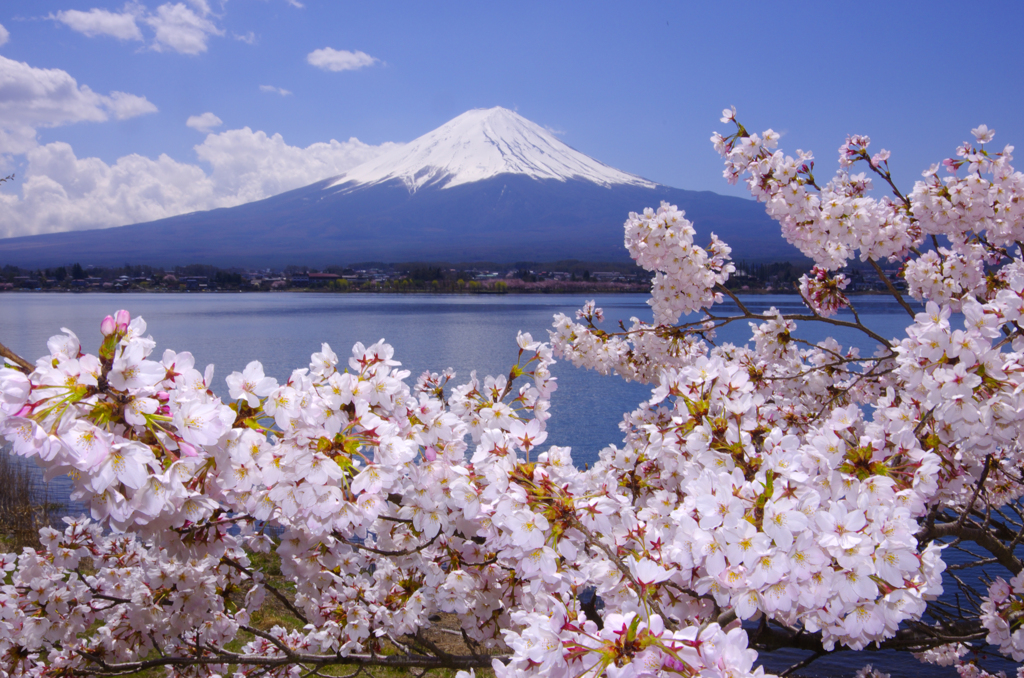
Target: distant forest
573	275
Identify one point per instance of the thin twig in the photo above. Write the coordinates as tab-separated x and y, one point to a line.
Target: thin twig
393	554
977	491
221	656
273	591
593	540
16	360
802	664
892	288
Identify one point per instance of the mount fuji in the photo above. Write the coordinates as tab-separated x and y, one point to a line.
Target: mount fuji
488	185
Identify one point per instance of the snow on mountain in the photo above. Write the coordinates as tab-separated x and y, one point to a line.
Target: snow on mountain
478	145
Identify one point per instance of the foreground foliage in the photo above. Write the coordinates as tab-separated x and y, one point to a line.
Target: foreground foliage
805	489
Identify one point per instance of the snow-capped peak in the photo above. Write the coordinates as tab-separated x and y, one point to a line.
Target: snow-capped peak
480	144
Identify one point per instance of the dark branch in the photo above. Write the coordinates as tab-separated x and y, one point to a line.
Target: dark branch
15	359
217	656
273	591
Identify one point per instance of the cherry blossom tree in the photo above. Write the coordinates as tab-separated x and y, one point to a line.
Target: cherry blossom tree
767	495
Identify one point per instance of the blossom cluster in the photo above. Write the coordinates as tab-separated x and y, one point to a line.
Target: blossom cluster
824	292
831	224
1001	615
685	273
137	600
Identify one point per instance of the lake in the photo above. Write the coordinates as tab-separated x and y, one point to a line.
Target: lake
428	332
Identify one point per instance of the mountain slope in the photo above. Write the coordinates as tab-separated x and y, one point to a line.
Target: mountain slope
488	185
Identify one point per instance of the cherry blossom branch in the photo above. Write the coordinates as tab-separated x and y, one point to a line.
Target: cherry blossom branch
914	639
870	374
594	541
698	326
887	177
801	317
735	299
276	642
977	491
222	656
892	288
802	664
390	554
979	536
22	364
283	599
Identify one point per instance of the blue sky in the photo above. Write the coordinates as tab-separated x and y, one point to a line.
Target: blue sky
639	86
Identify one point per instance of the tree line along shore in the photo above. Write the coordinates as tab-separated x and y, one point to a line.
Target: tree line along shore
477	278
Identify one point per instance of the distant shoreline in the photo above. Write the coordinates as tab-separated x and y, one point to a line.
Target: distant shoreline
609	288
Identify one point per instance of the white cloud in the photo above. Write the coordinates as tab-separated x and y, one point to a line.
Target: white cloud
180	29
339	59
249	165
177	26
31	98
201	6
4	35
125	106
204	123
249	38
61	192
295	3
101	22
275	90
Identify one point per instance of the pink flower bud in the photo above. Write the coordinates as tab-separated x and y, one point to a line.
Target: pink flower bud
108	326
187	450
674	664
429	453
122	318
163	396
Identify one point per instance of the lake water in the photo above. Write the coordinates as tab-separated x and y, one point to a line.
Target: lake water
429	332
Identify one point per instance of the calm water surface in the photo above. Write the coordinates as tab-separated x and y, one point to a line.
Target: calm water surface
428	332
